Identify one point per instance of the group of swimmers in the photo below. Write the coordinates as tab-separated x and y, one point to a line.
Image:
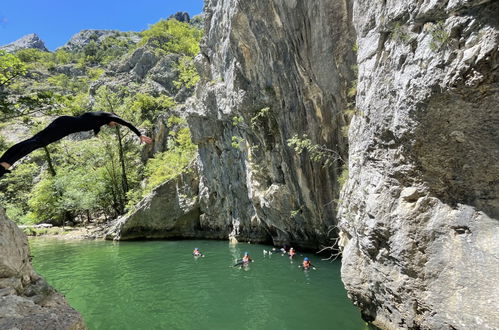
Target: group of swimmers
245	261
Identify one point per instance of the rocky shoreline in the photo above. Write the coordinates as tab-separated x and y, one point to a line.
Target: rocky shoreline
26	300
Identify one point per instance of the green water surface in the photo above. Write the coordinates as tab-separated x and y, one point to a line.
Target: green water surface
160	285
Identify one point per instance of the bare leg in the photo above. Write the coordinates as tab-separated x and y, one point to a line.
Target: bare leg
6	165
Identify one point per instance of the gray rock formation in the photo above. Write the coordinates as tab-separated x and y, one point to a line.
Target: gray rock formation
84	37
26	42
26	300
146	71
271	70
181	16
179	197
198	21
419	214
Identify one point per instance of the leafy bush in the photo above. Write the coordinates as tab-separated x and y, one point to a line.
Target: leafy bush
10	67
168	164
32	55
149	107
188	74
172	36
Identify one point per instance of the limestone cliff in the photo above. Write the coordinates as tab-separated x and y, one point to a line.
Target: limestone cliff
271	70
26	300
26	42
170	211
419	214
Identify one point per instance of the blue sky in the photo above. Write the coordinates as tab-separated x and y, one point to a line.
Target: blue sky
55	21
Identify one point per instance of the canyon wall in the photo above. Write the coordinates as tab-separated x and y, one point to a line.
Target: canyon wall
419	214
271	71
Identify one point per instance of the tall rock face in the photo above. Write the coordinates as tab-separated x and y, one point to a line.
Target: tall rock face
26	300
26	42
419	214
271	70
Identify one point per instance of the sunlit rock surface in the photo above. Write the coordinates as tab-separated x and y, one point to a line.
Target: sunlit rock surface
170	211
271	70
26	42
419	215
26	300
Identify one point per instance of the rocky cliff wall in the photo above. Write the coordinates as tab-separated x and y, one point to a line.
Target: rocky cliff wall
26	300
419	214
271	70
170	211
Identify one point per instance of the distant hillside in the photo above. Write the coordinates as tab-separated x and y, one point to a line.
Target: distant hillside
26	42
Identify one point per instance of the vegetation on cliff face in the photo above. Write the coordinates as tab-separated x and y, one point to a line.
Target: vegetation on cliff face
93	177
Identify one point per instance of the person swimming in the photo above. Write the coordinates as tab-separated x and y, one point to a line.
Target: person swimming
244	261
306	265
197	253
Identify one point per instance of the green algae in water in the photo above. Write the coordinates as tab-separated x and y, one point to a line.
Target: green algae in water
160	285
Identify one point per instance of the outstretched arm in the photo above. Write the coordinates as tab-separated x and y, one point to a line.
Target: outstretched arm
123	122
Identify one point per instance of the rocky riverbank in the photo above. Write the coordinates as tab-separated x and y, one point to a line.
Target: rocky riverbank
26	300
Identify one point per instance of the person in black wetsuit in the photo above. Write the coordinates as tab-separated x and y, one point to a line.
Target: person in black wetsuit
61	127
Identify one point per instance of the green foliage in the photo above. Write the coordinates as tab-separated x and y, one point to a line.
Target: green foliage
113	47
172	36
260	115
352	91
439	36
344	176
316	152
167	165
237	142
74	104
188	74
44	202
150	107
67	84
33	231
89	174
32	55
95	73
15	189
108	100
237	120
103	52
10	67
62	57
38	59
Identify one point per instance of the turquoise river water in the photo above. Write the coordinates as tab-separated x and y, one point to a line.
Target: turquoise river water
160	285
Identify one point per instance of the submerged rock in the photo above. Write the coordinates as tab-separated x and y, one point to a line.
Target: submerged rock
26	300
420	211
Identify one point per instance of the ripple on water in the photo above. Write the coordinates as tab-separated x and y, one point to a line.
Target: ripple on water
159	285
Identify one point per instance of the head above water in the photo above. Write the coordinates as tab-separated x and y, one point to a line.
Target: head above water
306	259
245	253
